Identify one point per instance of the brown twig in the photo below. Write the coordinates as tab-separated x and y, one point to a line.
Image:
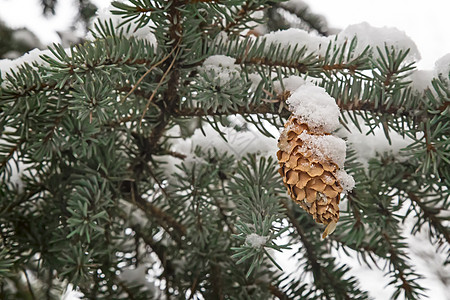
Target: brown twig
392	257
274	290
269	108
430	215
56	123
356	213
159	85
336	67
173	153
201	1
163	190
217	289
148	72
255	60
156	212
144	9
11	153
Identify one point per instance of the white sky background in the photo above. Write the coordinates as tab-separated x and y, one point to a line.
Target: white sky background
426	22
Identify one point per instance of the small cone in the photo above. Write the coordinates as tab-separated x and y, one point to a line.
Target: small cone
310	180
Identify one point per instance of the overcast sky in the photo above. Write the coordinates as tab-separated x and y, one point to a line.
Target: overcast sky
426	22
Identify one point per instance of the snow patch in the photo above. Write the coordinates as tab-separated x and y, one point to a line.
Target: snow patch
138	275
220	61
27	37
143	33
222	66
420	80
290	84
240	142
256	241
297	37
345	180
314	106
442	67
255	79
368	146
325	147
368	35
32	57
296	5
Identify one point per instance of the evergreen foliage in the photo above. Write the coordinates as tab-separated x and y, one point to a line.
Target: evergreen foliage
92	130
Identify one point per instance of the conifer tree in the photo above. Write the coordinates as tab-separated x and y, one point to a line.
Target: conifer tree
108	184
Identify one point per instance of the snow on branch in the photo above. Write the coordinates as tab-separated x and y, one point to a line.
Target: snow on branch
366	35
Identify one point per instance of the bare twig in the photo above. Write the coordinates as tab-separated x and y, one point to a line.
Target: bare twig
159	84
430	214
148	72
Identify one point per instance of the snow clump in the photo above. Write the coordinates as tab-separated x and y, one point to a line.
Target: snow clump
130	28
290	84
256	241
345	180
222	66
442	67
314	106
32	57
325	147
368	35
297	37
420	80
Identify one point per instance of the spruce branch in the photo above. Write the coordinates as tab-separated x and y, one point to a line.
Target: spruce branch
245	10
170	96
410	288
326	278
23	198
165	220
273	109
430	213
10	153
158	249
274	290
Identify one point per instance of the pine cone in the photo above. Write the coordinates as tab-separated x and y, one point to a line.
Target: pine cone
310	178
